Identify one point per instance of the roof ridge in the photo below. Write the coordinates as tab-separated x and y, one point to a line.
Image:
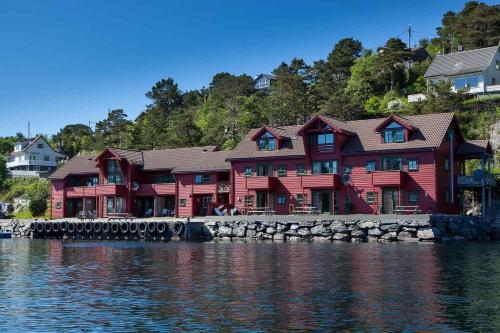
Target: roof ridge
460	52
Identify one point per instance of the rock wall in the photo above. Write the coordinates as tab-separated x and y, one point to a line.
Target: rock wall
372	229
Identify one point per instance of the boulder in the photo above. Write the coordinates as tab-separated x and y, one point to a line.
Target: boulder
271	224
211	230
270	230
337	226
293	239
418	223
318	230
280	227
304	232
358	234
322	238
375	232
429	234
353	227
390	227
372	239
243	223
252	226
225	232
294	227
368	224
267	236
389	237
250	233
406	236
239	231
279	237
341	236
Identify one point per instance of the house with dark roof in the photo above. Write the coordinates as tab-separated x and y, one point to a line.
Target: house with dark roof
263	81
476	70
165	182
372	166
34	157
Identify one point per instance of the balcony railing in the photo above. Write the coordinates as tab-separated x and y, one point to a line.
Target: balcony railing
260	182
222	187
388	178
156	189
110	189
81	191
321	181
470	181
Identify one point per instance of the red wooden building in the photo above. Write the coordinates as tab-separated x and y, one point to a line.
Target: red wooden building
363	166
167	182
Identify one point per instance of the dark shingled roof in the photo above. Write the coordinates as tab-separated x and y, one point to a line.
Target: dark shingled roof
291	145
78	165
465	62
180	160
428	133
475	147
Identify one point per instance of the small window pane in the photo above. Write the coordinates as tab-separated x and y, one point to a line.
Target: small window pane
248	171
412	165
281	199
301	169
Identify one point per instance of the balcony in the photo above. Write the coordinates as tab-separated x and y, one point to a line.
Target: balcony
81	191
110	189
321	181
470	181
388	178
260	182
156	189
222	187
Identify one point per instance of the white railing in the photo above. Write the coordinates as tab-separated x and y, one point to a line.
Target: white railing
493	88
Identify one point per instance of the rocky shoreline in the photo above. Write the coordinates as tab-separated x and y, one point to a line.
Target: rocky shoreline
404	228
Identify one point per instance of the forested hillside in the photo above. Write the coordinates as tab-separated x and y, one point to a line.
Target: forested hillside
350	83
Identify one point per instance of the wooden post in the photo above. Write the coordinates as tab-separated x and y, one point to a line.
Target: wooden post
483	191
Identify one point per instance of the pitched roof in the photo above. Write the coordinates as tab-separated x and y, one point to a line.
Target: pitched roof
291	146
475	147
134	157
277	132
339	126
78	165
465	62
31	142
268	76
183	159
428	133
400	120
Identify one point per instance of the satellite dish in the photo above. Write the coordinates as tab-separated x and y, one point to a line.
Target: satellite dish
478	175
135	186
346	178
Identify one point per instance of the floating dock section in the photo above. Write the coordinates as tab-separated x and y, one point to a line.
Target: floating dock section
109	230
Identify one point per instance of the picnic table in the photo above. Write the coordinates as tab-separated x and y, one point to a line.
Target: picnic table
261	211
407	209
120	217
304	210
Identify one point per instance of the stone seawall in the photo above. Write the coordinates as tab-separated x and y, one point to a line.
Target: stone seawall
418	228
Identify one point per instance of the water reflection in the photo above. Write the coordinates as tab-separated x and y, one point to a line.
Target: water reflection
129	286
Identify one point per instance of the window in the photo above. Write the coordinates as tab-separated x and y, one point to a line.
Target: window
302	199
282	199
371	198
282	171
301	169
248	171
459	83
32	157
472	81
391	163
447	196
412	165
394	133
347	169
46	158
163	178
324	167
110	205
265	170
371	166
182	202
248	200
202	179
497	65
58	205
74	181
413	196
40	146
267	142
114	173
119	205
446	164
92	181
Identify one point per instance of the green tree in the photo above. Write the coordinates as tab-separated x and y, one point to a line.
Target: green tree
38	194
389	68
112	131
74	139
165	95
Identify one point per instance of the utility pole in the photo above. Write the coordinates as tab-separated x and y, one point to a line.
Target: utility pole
409	36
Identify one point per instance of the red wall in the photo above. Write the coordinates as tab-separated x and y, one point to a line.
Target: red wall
57	196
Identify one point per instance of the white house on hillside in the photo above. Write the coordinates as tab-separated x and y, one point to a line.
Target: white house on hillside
263	81
478	70
32	158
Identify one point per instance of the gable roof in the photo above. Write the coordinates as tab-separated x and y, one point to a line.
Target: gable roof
30	142
465	62
277	132
337	125
78	165
400	120
428	131
133	157
292	146
267	76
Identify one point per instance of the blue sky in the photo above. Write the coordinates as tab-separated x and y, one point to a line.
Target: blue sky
64	62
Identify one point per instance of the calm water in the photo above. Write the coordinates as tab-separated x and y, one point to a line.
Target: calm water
148	287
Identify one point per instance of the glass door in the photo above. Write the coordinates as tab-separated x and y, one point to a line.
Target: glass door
390	198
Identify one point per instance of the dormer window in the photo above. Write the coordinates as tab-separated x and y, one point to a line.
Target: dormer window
267	142
394	132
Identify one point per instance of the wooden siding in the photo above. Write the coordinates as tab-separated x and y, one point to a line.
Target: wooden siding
321	181
81	192
57	195
388	178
